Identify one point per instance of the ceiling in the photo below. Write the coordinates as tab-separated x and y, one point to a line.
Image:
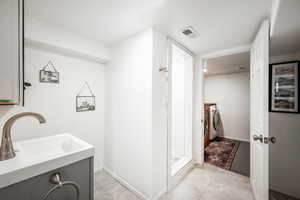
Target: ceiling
286	36
221	23
228	64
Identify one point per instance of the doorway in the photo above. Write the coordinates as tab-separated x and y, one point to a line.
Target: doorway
227	112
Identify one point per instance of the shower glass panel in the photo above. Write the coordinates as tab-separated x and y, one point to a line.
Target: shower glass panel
181	107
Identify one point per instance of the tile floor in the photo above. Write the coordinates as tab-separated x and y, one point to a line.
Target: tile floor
107	188
202	183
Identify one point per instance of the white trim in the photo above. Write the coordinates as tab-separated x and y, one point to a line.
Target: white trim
126	184
172	41
64	51
179	165
274	14
176	179
198	112
160	194
235	138
132	188
169	125
227	52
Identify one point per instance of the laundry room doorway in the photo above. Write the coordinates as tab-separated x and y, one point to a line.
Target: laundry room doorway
227	112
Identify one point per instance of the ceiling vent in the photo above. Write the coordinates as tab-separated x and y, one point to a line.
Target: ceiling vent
189	32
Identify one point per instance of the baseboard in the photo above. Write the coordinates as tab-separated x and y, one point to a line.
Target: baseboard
160	194
176	179
278	189
199	165
96	170
132	188
234	138
199	162
126	184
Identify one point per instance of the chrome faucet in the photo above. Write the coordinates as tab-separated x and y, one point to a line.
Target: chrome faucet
6	149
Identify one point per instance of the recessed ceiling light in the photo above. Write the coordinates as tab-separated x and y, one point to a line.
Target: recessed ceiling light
204	70
190	32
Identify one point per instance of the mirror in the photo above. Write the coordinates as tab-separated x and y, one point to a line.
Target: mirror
11	52
284	103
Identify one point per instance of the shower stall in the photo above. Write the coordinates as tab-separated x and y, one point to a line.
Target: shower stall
180	107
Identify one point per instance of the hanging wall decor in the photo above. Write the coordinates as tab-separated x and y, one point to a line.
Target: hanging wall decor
49	74
85	102
284	87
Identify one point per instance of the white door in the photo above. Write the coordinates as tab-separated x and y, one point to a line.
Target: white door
259	113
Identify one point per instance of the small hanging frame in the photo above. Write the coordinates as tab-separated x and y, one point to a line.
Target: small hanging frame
49	74
85	102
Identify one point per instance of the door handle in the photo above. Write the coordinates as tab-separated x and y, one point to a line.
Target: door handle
260	138
268	140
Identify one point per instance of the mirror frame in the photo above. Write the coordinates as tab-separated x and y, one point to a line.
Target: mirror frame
21	53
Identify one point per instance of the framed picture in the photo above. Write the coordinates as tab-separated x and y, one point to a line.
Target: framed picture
85	103
49	74
85	99
284	87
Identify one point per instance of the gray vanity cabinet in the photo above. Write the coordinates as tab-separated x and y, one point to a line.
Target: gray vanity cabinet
11	52
35	188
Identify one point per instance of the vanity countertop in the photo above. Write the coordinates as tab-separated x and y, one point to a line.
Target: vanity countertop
40	155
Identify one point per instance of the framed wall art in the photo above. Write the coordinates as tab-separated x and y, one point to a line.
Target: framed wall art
49	74
85	102
284	87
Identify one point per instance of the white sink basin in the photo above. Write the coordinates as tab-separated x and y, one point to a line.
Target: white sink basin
37	156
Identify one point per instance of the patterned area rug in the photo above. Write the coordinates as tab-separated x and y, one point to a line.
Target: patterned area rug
221	152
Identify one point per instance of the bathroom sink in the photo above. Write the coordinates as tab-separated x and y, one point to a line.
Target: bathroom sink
37	156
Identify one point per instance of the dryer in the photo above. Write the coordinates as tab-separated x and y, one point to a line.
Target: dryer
215	122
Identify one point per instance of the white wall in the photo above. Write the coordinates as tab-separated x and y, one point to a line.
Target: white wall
129	112
135	144
284	154
56	102
159	115
231	92
58	38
